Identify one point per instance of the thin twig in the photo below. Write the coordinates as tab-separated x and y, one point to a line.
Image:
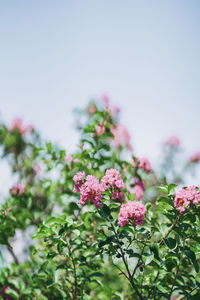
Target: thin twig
126	265
172	227
149	294
75	276
139	259
174	281
10	249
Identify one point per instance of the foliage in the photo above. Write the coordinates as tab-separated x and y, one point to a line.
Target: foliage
81	251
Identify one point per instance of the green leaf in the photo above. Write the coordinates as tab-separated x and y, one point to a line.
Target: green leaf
85	218
96	274
76	232
62	154
190	254
170	264
51	254
164	229
49	147
163	188
148	259
196	266
105	211
148	206
162	289
12	293
166	200
171	188
171	243
155	249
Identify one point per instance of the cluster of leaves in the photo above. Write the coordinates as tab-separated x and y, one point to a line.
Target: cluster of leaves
82	252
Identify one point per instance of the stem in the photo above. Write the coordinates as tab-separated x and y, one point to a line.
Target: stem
171	291
10	249
149	294
74	290
139	259
120	270
172	227
129	277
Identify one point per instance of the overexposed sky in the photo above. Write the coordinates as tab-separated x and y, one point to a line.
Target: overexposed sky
56	55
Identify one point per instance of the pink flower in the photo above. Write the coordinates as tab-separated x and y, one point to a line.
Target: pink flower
37	168
138	191
100	130
132	210
121	136
91	190
70	160
195	157
78	179
118	196
112	179
114	110
92	109
173	141
18	189
137	181
106	99
143	163
17	124
186	196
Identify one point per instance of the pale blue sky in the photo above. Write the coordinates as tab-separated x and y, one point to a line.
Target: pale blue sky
56	55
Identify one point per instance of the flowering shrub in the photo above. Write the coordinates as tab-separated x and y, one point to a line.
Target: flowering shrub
106	224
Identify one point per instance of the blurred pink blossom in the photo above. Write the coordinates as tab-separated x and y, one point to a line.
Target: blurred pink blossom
173	141
18	189
142	163
100	130
37	168
121	136
18	124
137	190
195	157
92	109
68	158
114	109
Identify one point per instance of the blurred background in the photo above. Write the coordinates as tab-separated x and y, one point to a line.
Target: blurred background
57	55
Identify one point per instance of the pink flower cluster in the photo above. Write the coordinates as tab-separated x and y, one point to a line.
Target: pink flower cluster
18	124
114	110
186	196
121	136
173	141
138	189
90	189
92	109
100	130
132	210
195	157
143	163
78	179
113	180
18	189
